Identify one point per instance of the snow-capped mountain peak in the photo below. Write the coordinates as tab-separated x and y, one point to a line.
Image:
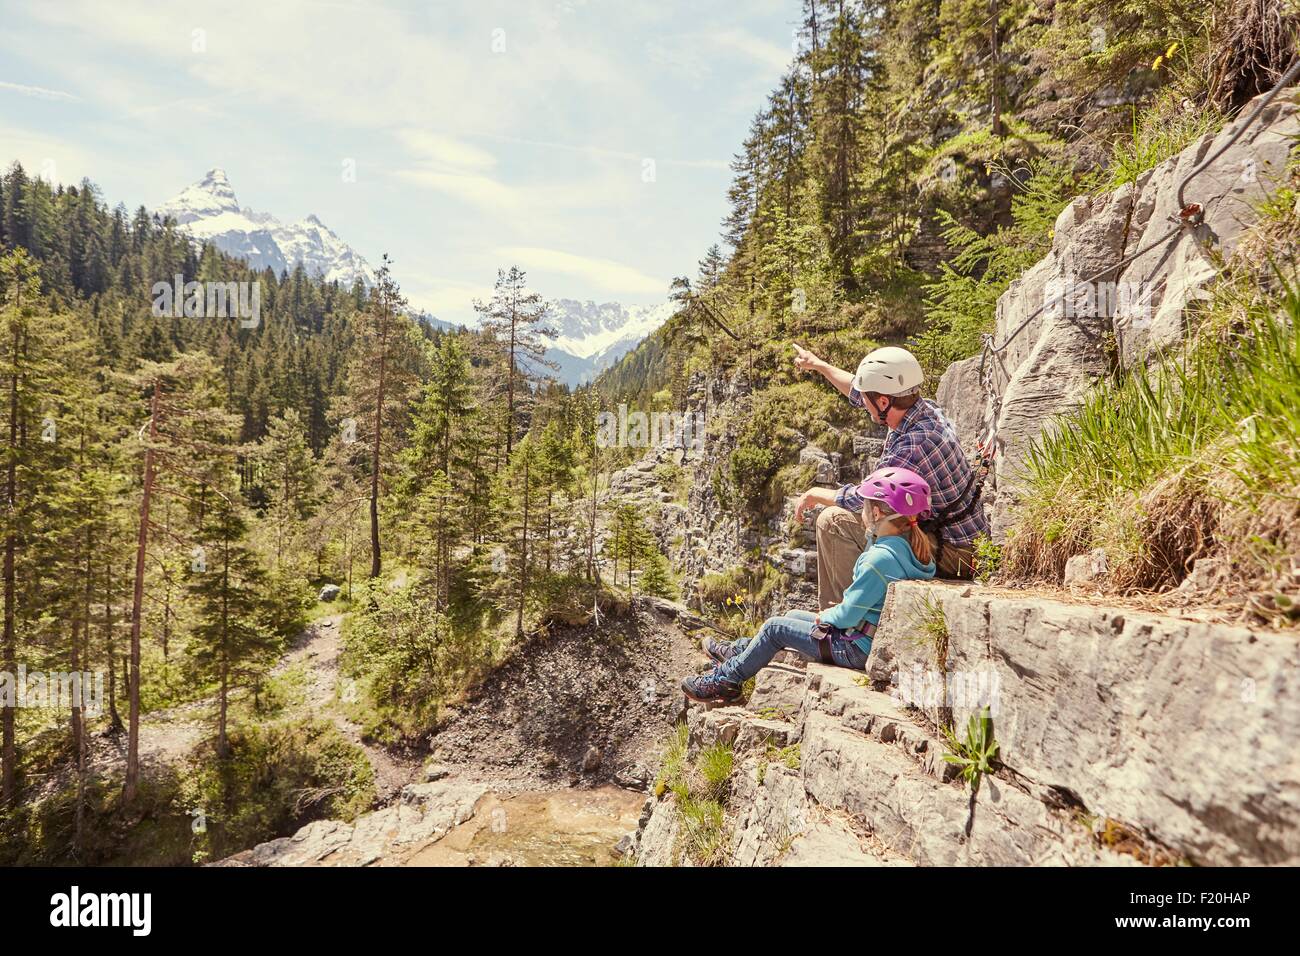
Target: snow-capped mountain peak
592	336
210	196
210	212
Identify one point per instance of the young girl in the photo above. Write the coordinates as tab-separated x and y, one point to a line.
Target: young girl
840	634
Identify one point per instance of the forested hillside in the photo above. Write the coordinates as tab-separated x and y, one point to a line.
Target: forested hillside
910	165
179	486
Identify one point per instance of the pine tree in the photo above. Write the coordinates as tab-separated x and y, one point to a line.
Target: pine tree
518	494
381	378
231	643
630	541
514	329
290	476
40	353
188	439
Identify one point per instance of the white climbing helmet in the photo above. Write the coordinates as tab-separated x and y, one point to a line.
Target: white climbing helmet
889	371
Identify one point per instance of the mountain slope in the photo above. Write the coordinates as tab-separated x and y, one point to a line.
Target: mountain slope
210	212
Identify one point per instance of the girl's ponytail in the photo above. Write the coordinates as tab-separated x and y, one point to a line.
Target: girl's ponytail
920	542
917	539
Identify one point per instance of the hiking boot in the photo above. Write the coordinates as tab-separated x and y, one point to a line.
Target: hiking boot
709	688
719	651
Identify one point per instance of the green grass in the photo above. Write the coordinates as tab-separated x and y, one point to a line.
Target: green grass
699	788
1165	464
987	560
714	765
1159	132
789	757
928	628
672	769
703	831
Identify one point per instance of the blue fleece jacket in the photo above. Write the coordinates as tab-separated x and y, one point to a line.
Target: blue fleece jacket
889	559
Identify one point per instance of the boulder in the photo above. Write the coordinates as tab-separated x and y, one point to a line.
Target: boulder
826	466
329	592
1184	730
868	446
1205	577
422	813
962	398
1057	354
633	778
778	691
801	562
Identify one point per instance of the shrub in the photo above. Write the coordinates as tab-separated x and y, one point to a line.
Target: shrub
279	777
410	660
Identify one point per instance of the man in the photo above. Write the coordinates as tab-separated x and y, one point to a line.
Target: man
888	385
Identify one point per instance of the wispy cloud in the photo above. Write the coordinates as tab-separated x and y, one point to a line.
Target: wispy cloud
614	277
756	48
444	150
604	152
38	92
472	188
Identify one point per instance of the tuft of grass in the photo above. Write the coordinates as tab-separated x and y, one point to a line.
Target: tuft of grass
713	766
988	559
928	628
1158	132
975	754
702	837
672	770
787	756
699	788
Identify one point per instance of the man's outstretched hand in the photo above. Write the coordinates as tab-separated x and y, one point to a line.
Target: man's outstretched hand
804	360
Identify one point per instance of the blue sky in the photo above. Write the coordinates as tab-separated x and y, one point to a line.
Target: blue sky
587	142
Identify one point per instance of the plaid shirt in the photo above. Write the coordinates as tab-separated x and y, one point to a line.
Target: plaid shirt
926	443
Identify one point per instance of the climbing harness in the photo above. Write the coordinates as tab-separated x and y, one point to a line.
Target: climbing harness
1190	215
826	634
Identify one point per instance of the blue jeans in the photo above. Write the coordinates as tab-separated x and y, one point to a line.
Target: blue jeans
789	631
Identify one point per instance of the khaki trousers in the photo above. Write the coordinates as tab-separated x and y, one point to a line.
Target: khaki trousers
841	540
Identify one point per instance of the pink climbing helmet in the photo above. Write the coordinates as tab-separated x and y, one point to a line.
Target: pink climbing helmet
904	491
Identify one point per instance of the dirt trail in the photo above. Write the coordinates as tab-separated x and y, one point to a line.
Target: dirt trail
317	651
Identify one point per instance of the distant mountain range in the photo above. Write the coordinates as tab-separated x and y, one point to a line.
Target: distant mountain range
209	211
592	336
